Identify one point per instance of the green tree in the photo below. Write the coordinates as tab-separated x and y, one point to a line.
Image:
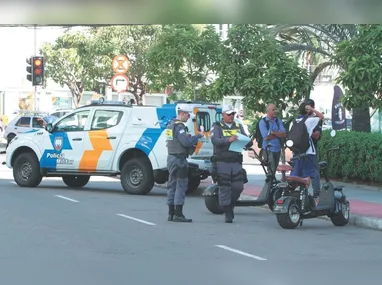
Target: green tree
83	60
316	40
255	66
362	74
321	42
132	41
63	63
186	58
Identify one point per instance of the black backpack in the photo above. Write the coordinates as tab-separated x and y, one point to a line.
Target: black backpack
300	136
257	136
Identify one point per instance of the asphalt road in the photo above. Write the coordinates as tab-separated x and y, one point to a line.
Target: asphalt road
100	235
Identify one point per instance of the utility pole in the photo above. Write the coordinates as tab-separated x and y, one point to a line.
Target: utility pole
35	53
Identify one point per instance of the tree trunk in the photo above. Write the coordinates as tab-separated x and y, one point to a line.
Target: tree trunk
140	97
361	120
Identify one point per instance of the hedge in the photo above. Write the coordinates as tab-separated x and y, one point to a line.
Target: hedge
359	156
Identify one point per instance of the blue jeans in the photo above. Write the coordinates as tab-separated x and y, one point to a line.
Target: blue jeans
316	184
308	167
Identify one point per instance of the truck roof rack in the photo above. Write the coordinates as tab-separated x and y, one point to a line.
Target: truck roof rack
36	113
102	102
195	102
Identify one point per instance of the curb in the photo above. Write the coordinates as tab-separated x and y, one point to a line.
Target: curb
355	220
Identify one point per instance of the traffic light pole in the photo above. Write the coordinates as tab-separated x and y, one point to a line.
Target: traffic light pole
35	53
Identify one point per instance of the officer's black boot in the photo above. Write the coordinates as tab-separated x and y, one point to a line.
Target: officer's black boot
233	207
179	217
171	212
228	214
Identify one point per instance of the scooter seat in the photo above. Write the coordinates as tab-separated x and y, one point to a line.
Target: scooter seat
305	181
284	167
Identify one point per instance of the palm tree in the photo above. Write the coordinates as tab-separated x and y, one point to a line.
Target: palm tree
319	43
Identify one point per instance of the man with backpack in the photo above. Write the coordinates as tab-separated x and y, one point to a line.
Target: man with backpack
316	136
301	135
270	131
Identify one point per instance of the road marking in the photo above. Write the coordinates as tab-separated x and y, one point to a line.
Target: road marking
240	252
137	220
66	198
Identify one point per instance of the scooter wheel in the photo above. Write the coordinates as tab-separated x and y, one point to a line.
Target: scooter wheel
212	204
342	218
292	218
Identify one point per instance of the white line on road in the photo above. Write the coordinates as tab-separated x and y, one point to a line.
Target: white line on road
66	198
137	220
240	252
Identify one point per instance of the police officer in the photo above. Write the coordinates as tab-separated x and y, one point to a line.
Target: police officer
179	145
229	164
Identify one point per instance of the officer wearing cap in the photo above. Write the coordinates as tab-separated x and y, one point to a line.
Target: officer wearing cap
228	164
179	145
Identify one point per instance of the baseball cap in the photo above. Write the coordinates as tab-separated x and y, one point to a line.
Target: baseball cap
228	109
183	108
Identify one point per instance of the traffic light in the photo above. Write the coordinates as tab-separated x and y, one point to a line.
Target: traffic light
35	70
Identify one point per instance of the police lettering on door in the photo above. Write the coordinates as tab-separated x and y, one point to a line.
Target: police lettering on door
60	157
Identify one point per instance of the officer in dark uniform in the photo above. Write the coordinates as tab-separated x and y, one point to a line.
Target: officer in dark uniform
229	164
179	145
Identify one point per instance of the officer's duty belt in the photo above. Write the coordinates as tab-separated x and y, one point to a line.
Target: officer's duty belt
227	158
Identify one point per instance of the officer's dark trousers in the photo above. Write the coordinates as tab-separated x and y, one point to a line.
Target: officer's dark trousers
177	181
230	181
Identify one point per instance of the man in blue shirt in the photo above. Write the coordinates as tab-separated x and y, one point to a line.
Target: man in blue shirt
272	136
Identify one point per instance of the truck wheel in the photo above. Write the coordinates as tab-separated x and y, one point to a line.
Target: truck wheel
137	176
26	170
193	185
292	218
76	181
342	218
212	204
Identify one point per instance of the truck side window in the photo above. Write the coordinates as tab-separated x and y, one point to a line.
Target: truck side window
73	123
104	119
203	119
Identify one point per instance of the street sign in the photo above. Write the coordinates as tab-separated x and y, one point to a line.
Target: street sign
120	82
120	64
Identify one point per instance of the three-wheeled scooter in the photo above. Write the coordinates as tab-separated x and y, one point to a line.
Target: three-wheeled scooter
269	194
297	204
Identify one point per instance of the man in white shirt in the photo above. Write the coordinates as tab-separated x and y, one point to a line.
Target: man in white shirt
307	167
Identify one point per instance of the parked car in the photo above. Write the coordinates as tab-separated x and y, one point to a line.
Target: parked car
26	122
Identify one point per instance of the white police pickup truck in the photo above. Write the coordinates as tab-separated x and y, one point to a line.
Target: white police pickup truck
100	139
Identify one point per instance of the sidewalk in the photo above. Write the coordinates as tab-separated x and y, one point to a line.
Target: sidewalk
365	201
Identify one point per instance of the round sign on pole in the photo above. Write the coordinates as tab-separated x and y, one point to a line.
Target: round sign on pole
120	64
120	82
